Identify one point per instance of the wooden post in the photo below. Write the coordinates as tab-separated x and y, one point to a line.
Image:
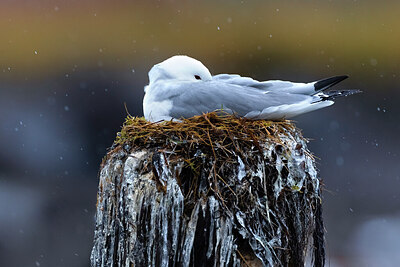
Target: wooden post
209	191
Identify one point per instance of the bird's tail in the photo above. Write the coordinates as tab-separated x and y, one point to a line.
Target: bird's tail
333	94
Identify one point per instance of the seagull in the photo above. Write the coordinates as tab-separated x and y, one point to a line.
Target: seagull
182	87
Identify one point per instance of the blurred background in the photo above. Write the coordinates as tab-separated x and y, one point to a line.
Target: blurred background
68	67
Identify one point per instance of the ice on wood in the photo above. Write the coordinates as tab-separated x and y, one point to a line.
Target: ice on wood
262	207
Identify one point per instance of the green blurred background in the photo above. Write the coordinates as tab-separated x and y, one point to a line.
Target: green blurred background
68	67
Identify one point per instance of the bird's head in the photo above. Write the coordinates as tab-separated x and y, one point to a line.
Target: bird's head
181	68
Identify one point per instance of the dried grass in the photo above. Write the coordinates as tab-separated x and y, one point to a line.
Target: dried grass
216	130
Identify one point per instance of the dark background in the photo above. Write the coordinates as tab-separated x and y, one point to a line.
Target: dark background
68	67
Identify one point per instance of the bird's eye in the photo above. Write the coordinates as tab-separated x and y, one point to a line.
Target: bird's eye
197	77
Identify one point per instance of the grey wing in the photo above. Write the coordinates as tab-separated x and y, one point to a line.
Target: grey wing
196	98
273	85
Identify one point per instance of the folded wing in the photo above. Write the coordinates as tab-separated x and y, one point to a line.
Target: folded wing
281	86
189	99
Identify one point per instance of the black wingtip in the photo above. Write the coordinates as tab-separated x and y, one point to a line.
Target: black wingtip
324	84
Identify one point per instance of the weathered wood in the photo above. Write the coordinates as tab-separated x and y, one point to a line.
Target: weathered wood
161	207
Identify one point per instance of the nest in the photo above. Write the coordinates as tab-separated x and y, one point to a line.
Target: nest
209	129
220	135
259	172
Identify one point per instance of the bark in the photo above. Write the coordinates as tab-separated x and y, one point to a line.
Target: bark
162	207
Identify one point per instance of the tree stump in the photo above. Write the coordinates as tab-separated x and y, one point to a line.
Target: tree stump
208	191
